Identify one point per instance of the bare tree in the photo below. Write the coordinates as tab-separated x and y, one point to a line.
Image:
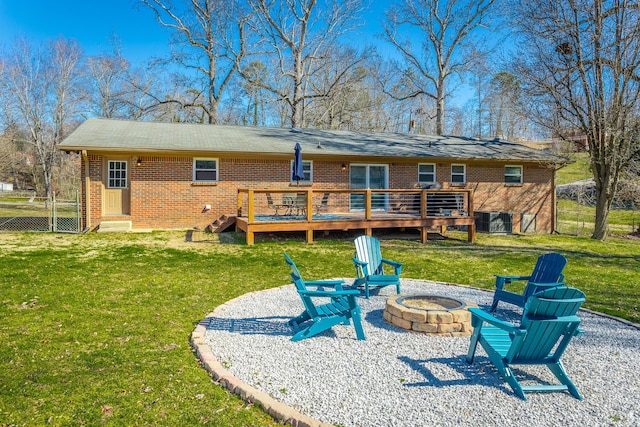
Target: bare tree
450	45
109	90
300	32
580	61
38	91
503	99
210	42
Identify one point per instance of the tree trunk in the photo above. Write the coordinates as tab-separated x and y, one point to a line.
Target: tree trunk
440	108
603	206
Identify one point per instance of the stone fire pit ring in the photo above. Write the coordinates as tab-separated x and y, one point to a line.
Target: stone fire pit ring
429	314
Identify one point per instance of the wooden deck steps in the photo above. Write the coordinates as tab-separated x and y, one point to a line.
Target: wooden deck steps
222	223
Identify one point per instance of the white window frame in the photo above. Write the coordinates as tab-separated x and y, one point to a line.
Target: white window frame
306	170
520	175
420	174
463	174
208	159
122	180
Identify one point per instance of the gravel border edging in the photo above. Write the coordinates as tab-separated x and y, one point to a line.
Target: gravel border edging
276	409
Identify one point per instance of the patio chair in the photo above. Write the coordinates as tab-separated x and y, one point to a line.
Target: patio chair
547	273
324	204
317	318
369	266
276	206
548	324
300	204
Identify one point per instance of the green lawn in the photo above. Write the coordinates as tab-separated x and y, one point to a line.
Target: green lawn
577	171
95	328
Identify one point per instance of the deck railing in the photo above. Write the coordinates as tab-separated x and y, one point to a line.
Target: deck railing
310	210
310	204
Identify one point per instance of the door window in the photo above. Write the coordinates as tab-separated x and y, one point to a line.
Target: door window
117	174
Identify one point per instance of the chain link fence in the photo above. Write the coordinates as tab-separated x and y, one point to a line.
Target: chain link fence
25	212
576	211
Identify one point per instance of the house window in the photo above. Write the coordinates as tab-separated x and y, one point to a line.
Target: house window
117	174
458	174
426	173
205	170
307	168
513	174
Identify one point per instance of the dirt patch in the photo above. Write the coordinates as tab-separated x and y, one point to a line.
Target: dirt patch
630	236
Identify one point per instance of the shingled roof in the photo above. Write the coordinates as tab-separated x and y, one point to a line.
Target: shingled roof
152	137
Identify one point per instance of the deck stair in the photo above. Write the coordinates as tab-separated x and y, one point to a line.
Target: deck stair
222	223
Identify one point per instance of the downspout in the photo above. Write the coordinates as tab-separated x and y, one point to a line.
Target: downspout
87	190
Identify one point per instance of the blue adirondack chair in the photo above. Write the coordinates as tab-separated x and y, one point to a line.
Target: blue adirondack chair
369	266
316	318
547	273
548	324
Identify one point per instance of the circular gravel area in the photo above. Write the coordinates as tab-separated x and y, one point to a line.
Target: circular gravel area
401	378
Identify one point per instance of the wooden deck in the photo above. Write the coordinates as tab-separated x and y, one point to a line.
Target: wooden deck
323	210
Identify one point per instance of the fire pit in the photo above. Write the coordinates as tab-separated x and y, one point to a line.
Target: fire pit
429	314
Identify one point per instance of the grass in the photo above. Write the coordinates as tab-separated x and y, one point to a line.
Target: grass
575	218
577	171
95	328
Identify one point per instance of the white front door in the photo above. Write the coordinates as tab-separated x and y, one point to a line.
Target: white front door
116	192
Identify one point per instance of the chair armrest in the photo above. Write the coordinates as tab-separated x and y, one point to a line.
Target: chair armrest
486	317
513	277
327	282
396	265
503	280
337	284
329	294
357	262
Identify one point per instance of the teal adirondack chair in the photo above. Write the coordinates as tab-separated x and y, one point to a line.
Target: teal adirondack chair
547	273
317	318
369	266
548	324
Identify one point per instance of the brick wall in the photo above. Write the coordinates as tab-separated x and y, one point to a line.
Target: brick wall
163	195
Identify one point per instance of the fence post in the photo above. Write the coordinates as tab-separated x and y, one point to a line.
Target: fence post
53	226
78	216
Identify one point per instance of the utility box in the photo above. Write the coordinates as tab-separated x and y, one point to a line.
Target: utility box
494	222
528	222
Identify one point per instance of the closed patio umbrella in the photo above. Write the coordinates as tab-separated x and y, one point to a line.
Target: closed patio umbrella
298	171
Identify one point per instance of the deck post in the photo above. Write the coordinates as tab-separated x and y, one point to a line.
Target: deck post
424	235
471	233
367	205
309	212
250	238
309	235
250	206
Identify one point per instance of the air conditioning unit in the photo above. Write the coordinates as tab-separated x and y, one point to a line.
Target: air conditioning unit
494	222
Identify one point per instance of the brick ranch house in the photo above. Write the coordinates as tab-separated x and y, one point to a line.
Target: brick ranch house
185	176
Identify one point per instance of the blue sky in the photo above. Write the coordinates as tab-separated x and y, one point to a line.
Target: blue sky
93	23
90	23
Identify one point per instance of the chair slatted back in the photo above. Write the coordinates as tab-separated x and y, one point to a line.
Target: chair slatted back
368	250
550	320
548	268
296	277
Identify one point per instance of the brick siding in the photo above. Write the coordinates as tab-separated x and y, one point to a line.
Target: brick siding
163	195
